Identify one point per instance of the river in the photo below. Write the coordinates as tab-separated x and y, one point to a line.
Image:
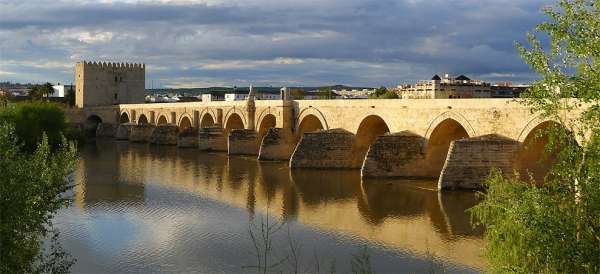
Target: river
142	208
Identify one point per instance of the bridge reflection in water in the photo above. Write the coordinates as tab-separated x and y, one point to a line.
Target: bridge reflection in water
403	215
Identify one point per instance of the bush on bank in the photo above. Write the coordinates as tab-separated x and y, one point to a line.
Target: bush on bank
554	226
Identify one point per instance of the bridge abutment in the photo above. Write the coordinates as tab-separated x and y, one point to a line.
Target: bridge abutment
188	138
277	145
212	139
324	149
141	133
470	160
123	131
242	142
164	135
106	130
395	155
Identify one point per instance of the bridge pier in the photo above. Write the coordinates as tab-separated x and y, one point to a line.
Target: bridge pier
212	139
277	145
164	135
141	133
123	131
242	142
395	155
325	149
106	130
470	160
188	138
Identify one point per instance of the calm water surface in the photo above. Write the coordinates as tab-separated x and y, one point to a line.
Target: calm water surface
141	208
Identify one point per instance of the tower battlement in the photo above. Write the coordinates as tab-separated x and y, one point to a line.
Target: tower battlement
102	83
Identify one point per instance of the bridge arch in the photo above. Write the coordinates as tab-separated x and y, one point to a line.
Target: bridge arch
534	158
264	124
142	120
438	143
308	116
234	114
162	120
460	119
91	124
234	121
185	121
207	120
124	117
368	130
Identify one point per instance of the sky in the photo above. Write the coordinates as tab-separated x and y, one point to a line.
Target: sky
186	43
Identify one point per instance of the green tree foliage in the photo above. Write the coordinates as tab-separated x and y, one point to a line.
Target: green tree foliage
32	119
554	225
38	92
383	93
31	188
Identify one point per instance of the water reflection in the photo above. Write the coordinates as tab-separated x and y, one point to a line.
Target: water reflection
409	216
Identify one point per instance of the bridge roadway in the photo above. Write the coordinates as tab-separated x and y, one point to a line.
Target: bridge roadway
457	141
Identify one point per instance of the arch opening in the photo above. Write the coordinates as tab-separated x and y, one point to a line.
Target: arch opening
207	121
234	122
162	120
534	158
309	123
267	122
142	120
185	123
91	124
369	129
439	144
124	118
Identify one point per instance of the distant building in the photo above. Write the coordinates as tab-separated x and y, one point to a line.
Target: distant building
354	93
508	90
447	87
60	91
208	97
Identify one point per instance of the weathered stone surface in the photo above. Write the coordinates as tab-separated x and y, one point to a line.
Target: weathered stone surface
164	135
106	130
277	145
188	138
212	139
470	160
242	142
324	149
141	133
395	155
123	131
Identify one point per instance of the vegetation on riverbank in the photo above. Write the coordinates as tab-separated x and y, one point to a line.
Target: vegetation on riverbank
35	163
553	226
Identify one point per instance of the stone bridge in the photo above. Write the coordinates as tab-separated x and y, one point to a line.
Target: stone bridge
456	141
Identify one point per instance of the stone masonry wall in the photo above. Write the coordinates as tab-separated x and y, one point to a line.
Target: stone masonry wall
212	139
324	149
106	130
123	131
395	155
470	160
188	138
164	135
242	142
141	133
277	145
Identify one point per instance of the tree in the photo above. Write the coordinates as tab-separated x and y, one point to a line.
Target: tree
554	225
383	93
70	97
31	188
38	92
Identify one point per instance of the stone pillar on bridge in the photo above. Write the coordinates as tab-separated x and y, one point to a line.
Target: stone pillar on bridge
470	160
278	143
395	155
325	149
212	139
242	142
141	133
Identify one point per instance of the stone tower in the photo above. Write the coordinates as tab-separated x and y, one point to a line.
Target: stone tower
102	83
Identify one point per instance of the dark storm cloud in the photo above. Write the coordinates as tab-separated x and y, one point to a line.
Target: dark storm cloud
309	42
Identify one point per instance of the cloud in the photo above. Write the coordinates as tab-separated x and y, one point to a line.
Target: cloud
234	42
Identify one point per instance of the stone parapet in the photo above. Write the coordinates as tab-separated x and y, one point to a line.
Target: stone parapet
212	139
106	130
188	138
164	135
242	142
277	145
123	131
470	160
141	133
324	149
395	155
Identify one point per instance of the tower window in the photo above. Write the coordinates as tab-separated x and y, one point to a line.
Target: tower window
116	80
116	96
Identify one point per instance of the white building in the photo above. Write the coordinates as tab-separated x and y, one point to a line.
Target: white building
60	91
235	97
